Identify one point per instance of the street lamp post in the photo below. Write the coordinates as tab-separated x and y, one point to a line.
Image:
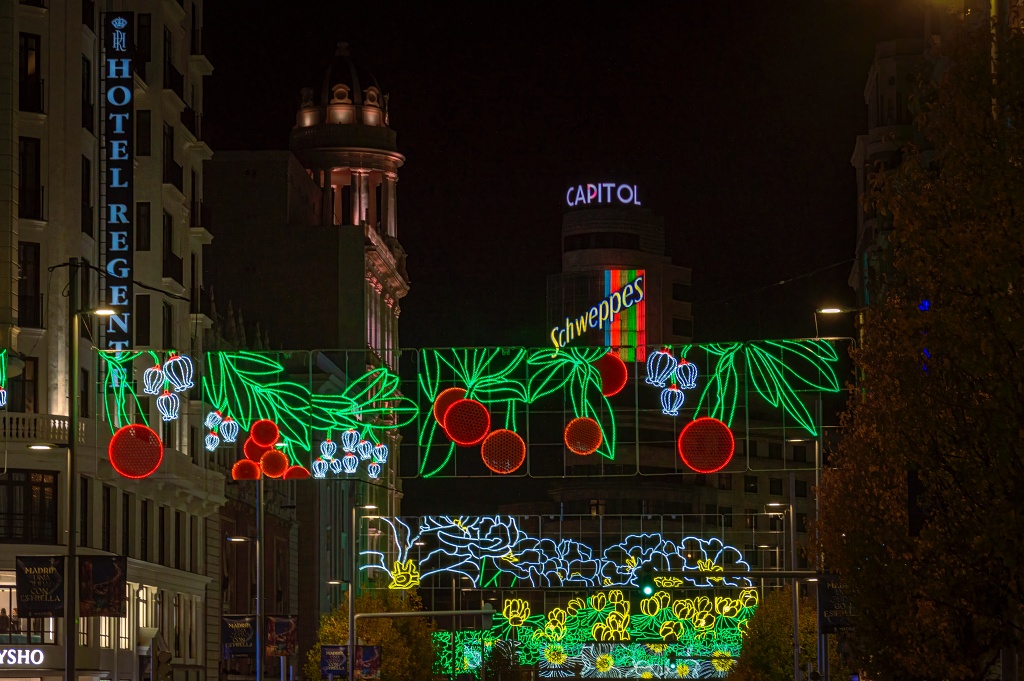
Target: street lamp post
792	558
353	546
71	569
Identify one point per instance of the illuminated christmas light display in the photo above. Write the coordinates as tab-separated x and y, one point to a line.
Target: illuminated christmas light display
672	399
494	551
671	637
328	449
212	442
153	381
135	451
511	389
168	403
686	374
178	371
373	470
660	367
349	463
3	378
381	453
706	445
229	429
319	469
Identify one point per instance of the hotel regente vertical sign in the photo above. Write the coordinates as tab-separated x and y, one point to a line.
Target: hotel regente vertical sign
118	177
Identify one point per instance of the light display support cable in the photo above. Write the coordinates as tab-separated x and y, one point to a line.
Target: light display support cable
71	569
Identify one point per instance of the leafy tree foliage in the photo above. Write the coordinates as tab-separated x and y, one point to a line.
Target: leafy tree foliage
922	513
768	643
407	652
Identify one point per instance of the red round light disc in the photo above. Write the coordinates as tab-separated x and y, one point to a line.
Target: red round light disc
445	400
264	433
274	464
503	451
135	451
706	445
295	473
583	436
613	373
467	422
254	452
244	469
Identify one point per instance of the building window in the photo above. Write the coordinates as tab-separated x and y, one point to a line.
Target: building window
176	626
30	299
750	518
179	535
725	481
774	450
143	607
775	522
22	389
775	486
800	453
682	327
143	226
168	326
168	236
22	629
106	632
30	82
752	448
143	132
84	629
801	522
144	530
108	517
30	190
161	535
752	555
597	507
86	196
726	513
126	525
28	507
168	149
83	512
88	108
84	390
750	484
680	292
801	488
143	320
144	38
711	510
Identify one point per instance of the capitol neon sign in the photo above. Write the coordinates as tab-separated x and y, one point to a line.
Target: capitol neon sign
604	192
600	314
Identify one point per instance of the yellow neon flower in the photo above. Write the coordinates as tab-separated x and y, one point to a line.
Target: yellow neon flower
727	607
598	601
650	606
646	675
604	663
516	611
555	655
557	616
748	598
670	629
575	605
682	608
722	661
510	557
701	615
404	575
616	596
682	671
709	566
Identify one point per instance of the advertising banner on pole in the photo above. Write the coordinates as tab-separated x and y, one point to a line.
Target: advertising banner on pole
333	662
238	634
102	583
39	582
282	636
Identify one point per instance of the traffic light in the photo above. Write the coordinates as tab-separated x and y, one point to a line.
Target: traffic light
645	581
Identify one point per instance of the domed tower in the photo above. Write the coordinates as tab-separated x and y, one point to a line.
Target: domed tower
342	138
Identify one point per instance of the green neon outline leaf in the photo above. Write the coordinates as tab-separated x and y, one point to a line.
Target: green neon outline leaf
722	384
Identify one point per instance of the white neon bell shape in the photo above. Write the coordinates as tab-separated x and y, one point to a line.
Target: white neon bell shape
349	440
153	380
229	429
660	366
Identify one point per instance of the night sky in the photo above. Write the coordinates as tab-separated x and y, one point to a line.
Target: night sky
736	120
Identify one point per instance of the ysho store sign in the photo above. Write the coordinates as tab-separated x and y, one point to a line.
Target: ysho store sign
118	177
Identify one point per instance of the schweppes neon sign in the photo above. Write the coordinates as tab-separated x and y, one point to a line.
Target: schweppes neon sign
599	316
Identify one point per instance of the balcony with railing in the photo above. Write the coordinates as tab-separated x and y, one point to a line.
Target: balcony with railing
174	81
174	175
174	268
30	95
